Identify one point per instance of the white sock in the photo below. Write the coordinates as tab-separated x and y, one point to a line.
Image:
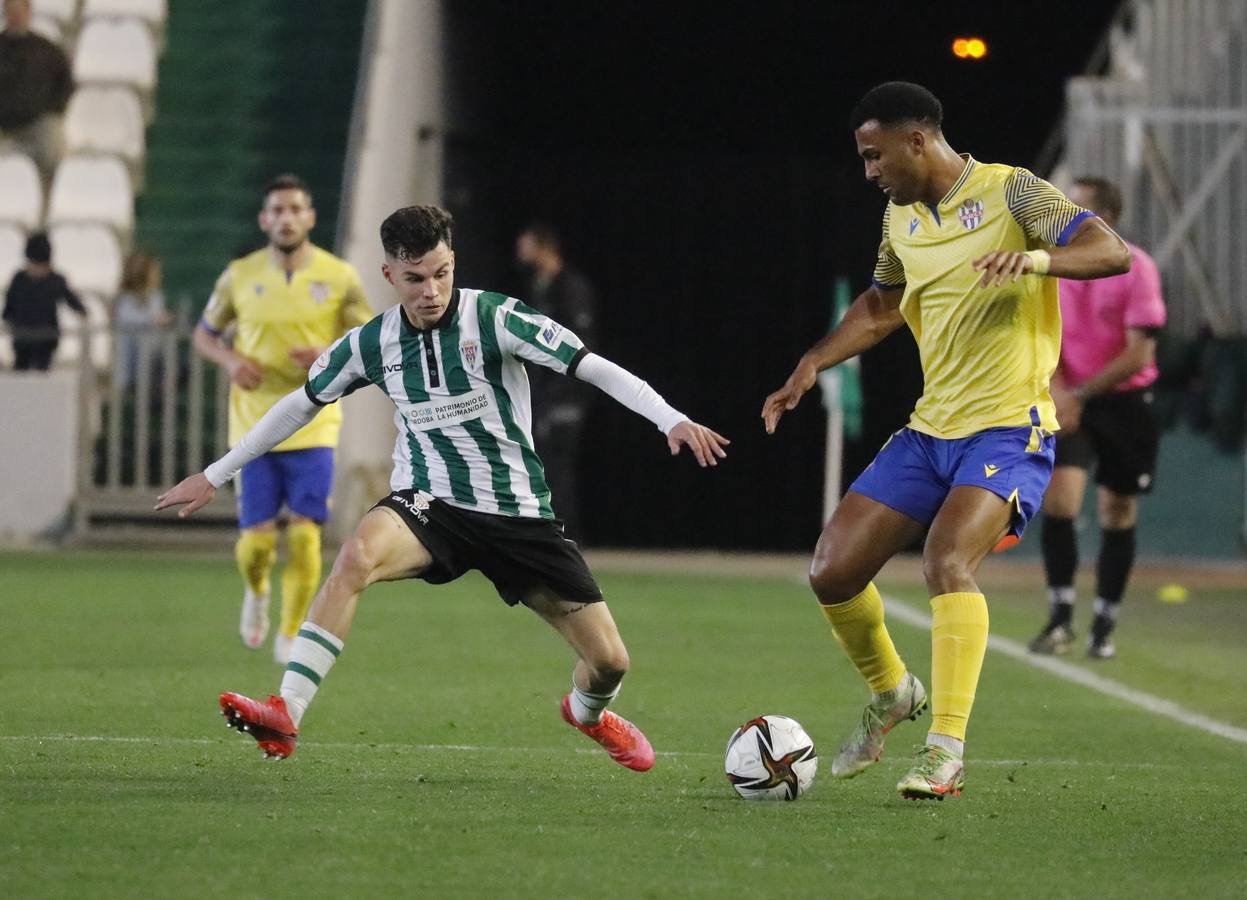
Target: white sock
1106	609
587	708
311	658
948	742
1058	596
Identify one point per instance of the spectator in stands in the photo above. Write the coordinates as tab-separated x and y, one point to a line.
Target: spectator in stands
35	85
559	406
30	306
138	314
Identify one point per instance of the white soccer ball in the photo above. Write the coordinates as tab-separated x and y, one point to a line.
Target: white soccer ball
770	758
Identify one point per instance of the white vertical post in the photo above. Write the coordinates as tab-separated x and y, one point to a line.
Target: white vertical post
833	457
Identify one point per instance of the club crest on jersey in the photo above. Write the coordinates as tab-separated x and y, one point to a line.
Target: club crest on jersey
468	349
319	291
971	214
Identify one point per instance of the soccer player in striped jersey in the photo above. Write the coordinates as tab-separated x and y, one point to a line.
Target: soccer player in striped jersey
468	490
969	260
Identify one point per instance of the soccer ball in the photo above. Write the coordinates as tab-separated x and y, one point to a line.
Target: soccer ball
770	758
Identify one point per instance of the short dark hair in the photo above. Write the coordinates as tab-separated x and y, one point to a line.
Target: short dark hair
546	235
1107	194
39	248
286	181
413	231
894	102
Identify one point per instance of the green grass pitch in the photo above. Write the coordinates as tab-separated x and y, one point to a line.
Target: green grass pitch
434	762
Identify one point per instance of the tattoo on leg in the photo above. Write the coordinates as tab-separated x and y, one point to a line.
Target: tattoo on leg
574	609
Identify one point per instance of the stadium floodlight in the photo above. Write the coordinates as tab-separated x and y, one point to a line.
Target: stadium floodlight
969	48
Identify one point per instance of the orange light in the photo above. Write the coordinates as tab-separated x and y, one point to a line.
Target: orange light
969	48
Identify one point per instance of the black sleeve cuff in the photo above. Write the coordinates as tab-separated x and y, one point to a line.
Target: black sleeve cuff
307	389
575	363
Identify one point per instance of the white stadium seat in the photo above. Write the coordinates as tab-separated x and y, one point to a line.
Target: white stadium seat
64	11
105	119
92	189
153	12
21	193
89	257
116	51
48	27
12	253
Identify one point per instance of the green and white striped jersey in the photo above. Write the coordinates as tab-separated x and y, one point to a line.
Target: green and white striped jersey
463	413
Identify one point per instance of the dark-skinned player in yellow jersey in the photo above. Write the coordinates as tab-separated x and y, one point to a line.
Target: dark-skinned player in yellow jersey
969	260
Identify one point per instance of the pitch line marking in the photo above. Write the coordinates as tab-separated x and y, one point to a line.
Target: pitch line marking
482	748
1150	702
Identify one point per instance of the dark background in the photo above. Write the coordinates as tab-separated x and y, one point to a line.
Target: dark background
698	162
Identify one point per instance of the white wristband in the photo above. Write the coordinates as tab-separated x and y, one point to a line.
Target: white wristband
1041	261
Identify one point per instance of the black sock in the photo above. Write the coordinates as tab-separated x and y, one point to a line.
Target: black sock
1060	559
1101	628
1116	561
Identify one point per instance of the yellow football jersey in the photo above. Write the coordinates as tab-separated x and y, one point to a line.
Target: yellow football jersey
987	352
274	314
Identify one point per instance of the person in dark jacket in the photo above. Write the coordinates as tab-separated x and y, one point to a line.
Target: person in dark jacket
35	85
559	408
30	306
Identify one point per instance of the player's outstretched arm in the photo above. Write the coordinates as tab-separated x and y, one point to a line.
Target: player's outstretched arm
1094	251
874	315
635	394
283	419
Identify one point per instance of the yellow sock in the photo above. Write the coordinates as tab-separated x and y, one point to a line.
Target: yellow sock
958	643
301	577
255	551
858	626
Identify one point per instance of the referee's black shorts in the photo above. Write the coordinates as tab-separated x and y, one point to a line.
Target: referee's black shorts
1120	436
517	554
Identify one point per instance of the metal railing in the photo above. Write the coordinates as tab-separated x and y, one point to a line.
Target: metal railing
150	412
1169	125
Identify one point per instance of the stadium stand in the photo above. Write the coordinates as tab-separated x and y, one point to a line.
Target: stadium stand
106	119
12	250
117	51
21	195
89	255
93	189
64	12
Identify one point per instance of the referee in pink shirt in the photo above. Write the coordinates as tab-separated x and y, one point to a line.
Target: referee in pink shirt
1103	394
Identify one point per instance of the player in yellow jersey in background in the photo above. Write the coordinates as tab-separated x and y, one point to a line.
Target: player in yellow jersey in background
969	260
285	303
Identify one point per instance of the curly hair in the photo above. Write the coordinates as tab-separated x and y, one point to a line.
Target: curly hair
409	233
894	102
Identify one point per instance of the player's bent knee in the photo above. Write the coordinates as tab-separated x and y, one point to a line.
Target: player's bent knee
355	564
946	572
834	585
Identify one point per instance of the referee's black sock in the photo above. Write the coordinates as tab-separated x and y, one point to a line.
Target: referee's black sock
1060	559
1116	561
1117	551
